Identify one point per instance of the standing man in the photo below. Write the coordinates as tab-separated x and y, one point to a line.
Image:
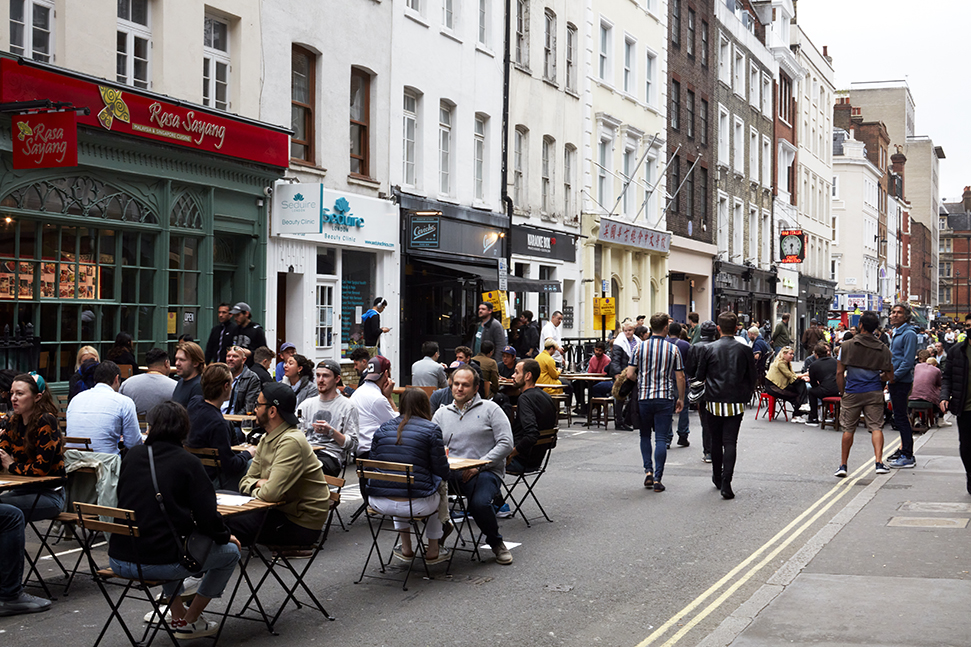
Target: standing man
249	335
956	375
428	371
811	336
674	337
371	322
528	335
760	348
154	386
222	335
330	420
551	330
477	428
246	383
709	333
780	336
104	415
189	362
620	353
535	412
373	402
657	367
694	330
864	365
822	381
728	370
489	329
903	346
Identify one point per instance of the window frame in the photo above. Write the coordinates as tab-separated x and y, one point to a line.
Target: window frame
703	109
650	79
549	45
630	65
569	168
521	50
676	23
479	129
365	157
446	157
704	43
547	195
572	36
674	117
27	47
604	58
482	28
309	115
690	34
216	57
132	31
520	152
689	105
412	116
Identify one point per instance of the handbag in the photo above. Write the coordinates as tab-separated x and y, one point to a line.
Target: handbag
195	548
696	391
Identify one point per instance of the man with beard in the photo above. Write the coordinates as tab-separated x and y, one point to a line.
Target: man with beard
535	412
489	329
246	383
189	361
249	335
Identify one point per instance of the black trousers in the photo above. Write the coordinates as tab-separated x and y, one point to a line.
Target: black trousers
816	396
277	530
795	393
964	442
705	419
724	444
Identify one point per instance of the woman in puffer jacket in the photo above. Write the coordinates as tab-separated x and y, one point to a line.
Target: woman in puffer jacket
411	438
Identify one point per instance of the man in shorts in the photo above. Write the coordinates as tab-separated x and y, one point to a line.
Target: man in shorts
863	366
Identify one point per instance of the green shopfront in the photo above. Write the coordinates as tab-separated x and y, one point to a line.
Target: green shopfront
147	234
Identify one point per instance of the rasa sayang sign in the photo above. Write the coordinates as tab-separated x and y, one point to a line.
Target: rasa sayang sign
310	210
45	140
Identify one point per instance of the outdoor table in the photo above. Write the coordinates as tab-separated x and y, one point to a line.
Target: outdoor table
245	447
238	417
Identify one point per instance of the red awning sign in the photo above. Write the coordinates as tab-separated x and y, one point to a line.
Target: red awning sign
45	140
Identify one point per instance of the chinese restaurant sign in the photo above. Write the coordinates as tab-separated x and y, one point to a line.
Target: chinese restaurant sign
622	233
45	140
126	112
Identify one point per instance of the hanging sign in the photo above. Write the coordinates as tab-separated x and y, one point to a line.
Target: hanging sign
45	140
792	246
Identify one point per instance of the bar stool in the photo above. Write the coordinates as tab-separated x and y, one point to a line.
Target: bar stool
563	408
831	405
603	407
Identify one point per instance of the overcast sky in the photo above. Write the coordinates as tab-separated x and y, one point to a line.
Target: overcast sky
886	40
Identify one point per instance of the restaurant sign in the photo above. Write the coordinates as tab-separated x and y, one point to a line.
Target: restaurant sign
792	246
623	233
45	140
125	111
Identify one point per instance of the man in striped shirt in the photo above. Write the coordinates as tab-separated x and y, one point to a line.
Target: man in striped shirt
659	370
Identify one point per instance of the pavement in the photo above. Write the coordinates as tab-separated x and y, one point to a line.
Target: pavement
890	568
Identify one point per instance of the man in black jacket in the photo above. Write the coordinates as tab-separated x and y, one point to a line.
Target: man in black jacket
728	370
707	332
528	336
822	381
249	334
535	412
222	336
954	389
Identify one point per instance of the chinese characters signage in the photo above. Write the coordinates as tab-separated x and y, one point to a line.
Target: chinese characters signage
624	233
45	140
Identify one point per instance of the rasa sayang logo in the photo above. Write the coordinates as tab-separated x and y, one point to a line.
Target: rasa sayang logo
341	217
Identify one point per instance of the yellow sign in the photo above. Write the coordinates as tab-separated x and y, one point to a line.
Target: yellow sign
604	306
498	301
172	323
611	323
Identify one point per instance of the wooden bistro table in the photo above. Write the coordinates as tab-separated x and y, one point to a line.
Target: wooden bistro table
238	417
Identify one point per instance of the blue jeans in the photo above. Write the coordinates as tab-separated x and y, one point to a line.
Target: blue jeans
11	551
657	416
217	570
683	420
899	395
480	490
37	504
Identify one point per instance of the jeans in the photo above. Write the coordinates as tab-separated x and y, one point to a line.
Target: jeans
479	491
11	551
601	389
655	415
36	505
724	444
217	570
683	420
899	395
277	529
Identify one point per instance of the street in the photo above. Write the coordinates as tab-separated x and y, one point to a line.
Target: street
618	565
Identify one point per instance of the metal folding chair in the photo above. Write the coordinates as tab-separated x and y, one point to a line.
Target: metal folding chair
530	476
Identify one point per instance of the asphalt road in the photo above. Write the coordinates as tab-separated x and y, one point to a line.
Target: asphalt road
617	563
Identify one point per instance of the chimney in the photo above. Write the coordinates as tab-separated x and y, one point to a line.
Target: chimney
966	198
829	59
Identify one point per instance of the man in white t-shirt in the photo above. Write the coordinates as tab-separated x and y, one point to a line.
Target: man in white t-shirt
372	399
330	420
551	330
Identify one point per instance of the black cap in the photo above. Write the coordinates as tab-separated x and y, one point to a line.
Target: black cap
282	397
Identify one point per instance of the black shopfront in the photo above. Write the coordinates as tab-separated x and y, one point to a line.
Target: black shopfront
451	255
815	300
745	290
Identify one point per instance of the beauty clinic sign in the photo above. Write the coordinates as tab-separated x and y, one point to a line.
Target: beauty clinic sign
45	140
124	111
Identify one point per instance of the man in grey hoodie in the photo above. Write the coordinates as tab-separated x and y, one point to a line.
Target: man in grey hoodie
477	428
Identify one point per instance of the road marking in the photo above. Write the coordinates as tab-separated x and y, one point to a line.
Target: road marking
74	550
836	492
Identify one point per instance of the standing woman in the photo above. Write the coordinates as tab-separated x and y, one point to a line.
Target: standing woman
371	320
33	446
782	382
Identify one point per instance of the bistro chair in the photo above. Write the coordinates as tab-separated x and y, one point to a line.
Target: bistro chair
47	537
531	475
209	457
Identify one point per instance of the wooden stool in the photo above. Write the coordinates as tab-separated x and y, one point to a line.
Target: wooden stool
563	408
831	405
603	406
920	410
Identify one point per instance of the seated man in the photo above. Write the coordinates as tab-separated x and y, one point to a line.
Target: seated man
262	358
477	428
490	370
13	600
443	396
536	412
549	374
189	362
507	368
927	382
464	354
150	388
359	358
822	381
104	415
246	383
284	470
330	420
428	371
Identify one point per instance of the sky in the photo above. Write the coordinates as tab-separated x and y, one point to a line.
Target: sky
888	40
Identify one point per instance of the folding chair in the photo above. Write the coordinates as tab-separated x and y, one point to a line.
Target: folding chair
396	473
529	477
276	556
65	520
209	457
124	524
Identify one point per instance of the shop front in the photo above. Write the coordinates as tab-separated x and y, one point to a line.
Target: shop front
689	284
545	274
160	218
815	298
746	290
452	255
331	254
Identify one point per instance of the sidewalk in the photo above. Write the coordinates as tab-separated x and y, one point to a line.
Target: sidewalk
891	568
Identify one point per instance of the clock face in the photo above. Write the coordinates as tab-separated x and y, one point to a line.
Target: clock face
791	245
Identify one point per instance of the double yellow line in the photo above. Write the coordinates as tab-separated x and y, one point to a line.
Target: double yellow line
806	519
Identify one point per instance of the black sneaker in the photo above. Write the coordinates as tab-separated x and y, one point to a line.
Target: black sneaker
683	441
894	456
24	603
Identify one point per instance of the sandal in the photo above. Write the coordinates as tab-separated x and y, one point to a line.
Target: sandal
400	555
649	479
443	555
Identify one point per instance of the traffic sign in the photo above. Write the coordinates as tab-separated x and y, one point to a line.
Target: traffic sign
604	307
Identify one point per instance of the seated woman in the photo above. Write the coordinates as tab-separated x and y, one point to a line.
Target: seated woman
299	374
33	446
411	438
190	504
781	382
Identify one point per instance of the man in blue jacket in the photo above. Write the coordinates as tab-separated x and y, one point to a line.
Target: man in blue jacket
903	346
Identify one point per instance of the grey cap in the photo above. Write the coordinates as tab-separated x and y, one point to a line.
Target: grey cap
242	306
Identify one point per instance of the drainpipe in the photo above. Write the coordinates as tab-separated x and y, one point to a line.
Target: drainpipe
504	171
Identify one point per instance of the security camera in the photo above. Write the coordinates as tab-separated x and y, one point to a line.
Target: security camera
268	191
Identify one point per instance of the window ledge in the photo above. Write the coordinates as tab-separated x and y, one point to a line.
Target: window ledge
361	180
448	199
305	166
522	68
573	93
479	204
483	49
417	17
448	33
551	82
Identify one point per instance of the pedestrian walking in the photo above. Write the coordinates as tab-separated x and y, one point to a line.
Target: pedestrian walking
781	337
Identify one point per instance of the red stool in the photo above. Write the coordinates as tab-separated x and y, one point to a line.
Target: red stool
831	405
770	409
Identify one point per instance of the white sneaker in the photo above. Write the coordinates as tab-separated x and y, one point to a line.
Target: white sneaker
190	586
199	629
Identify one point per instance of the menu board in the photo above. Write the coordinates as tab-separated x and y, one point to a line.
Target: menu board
57	281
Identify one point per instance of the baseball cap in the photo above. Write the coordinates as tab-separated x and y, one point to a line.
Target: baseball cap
331	366
282	397
242	306
286	345
509	350
376	366
454	365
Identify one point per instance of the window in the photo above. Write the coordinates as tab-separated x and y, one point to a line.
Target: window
689	193
738	233
704	43
690	44
738	73
674	181
519	166
628	171
448	15
522	33
754	85
483	22
703	129
215	64
676	23
605	37
722	224
767	96
414	5
724	61
360	120
650	72
571	58
766	237
134	41
549	47
603	157
31	24
690	113
569	163
766	162
753	234
675	117
479	152
303	67
546	189
738	143
629	49
325	316
703	184
445	148
410	137
753	155
785	98
723	135
650	195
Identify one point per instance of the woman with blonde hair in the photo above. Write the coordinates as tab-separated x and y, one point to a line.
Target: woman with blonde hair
784	383
83	377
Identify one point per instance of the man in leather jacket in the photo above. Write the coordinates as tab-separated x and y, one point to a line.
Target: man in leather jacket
707	334
728	370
